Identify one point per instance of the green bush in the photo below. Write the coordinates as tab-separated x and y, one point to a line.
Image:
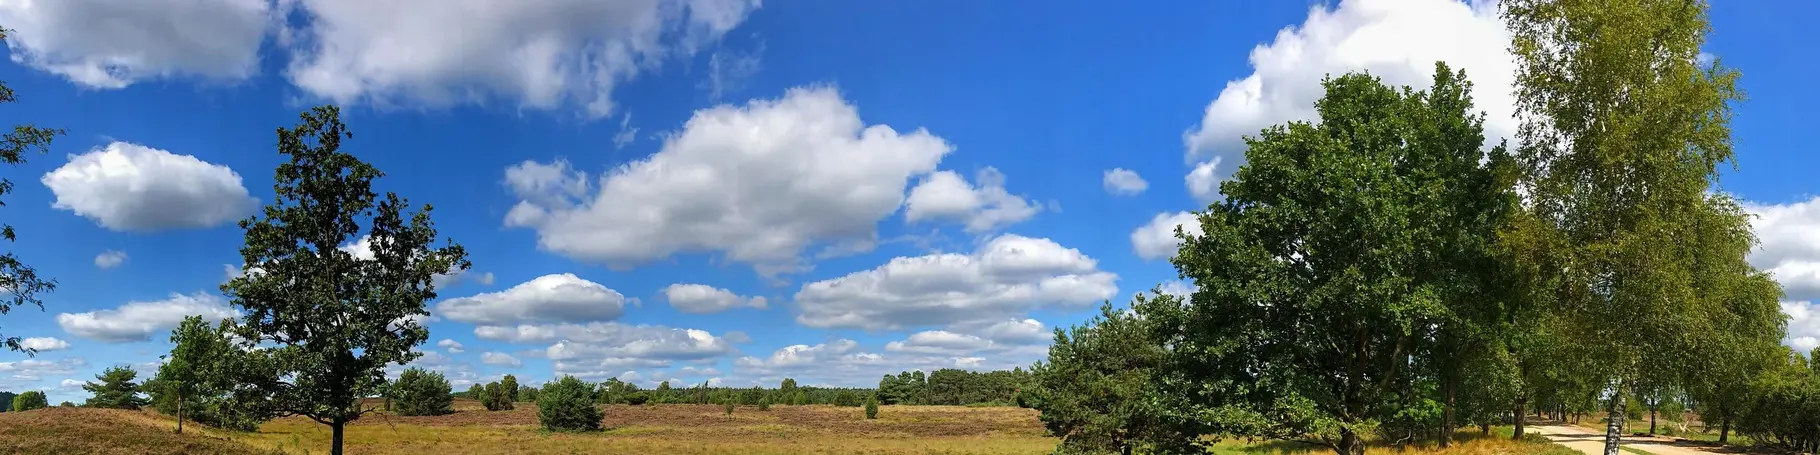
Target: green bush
496	397
764	404
420	392
729	407
30	400
636	398
568	405
66	404
871	408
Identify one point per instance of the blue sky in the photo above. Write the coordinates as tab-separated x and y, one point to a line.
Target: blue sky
903	184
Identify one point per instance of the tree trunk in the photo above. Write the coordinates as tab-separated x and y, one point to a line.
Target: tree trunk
337	428
1517	415
1350	443
1614	422
1484	428
180	410
1447	415
1652	419
1725	426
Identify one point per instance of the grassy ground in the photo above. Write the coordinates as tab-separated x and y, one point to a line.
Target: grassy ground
661	429
69	431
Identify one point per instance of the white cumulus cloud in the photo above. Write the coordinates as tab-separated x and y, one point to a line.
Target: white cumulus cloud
131	187
44	344
143	39
1156	239
110	259
1396	40
1007	275
1123	182
704	299
500	359
758	183
138	321
542	54
453	346
1803	325
945	195
548	298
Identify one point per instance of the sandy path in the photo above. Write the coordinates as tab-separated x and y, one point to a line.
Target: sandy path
1592	442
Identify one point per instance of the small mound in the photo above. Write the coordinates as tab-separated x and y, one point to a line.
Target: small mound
64	431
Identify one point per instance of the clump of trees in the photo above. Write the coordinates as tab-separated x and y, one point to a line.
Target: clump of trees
496	397
568	405
117	389
196	380
953	387
1379	272
30	400
420	392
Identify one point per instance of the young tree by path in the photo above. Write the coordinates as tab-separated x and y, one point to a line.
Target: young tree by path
1623	127
1094	390
19	282
333	320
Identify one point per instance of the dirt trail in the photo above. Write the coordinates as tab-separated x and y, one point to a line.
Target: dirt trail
1592	442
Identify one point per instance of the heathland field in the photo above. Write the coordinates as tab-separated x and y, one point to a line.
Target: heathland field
651	429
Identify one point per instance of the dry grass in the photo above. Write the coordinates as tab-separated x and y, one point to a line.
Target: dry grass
68	431
683	429
661	429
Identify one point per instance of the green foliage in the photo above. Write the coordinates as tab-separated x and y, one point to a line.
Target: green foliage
787	387
29	400
19	279
729	407
909	387
568	405
509	385
475	392
1782	410
637	398
764	404
66	404
419	392
196	381
871	408
116	389
1335	244
6	400
333	320
1093	391
527	394
495	397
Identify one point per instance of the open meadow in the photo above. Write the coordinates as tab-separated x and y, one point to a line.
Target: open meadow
653	429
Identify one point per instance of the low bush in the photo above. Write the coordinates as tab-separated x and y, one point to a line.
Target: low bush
568	405
420	392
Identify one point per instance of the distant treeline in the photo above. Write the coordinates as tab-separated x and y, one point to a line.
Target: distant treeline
943	387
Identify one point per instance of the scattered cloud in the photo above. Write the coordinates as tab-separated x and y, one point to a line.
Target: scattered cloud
548	298
1203	183
945	195
44	344
542	55
728	71
705	299
597	348
1007	275
138	321
939	342
758	183
1398	41
627	133
453	346
1156	240
130	187
110	259
1803	325
500	359
1789	248
146	39
1017	332
1123	182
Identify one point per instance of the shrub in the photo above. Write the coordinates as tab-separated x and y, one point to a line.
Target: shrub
420	392
729	407
568	405
871	408
496	398
66	404
30	400
636	398
764	404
